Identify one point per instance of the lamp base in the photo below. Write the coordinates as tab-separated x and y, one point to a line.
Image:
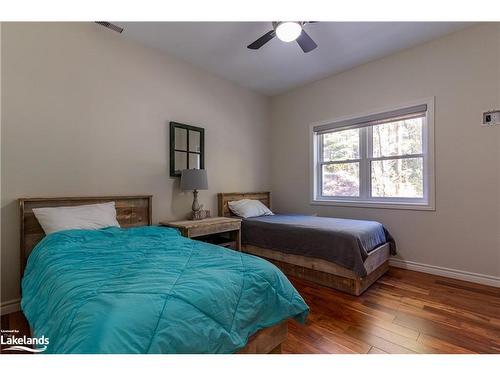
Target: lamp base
200	215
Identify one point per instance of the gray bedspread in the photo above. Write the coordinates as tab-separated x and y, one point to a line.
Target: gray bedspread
341	241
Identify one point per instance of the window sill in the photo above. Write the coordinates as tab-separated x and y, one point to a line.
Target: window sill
374	204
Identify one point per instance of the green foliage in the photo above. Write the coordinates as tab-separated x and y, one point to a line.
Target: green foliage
402	177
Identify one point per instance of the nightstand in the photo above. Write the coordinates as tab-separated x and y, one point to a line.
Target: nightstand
222	231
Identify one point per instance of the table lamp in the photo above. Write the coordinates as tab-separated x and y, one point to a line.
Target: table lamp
194	179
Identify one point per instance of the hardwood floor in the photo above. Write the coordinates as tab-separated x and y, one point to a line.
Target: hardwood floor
403	312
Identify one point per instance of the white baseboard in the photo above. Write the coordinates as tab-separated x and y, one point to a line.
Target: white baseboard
11	306
446	272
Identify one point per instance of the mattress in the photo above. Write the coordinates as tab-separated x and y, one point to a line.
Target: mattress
341	241
150	290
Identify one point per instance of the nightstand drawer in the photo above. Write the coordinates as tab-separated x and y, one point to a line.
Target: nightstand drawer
212	229
221	231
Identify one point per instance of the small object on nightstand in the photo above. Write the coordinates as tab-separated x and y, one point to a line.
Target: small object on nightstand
200	215
222	231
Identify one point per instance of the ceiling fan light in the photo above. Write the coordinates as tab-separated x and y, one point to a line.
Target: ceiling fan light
288	31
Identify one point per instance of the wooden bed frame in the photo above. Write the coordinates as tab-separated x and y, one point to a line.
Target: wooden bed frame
313	269
131	211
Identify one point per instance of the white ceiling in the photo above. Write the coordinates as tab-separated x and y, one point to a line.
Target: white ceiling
220	48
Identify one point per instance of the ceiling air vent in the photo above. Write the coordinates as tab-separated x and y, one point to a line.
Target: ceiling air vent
110	26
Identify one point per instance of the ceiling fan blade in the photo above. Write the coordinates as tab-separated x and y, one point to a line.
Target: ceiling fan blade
306	42
262	40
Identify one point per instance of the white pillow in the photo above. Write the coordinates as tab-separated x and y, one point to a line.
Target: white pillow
92	216
249	208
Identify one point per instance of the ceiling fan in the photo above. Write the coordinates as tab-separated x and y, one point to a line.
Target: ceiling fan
287	31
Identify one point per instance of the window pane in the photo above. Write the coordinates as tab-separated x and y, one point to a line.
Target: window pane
341	145
180	139
340	180
194	161
194	141
399	178
180	161
398	138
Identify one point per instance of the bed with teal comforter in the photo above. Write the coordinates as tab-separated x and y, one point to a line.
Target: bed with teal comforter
150	290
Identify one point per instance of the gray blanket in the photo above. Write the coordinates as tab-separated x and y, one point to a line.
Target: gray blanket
341	241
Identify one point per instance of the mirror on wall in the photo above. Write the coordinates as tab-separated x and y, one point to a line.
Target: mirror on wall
187	148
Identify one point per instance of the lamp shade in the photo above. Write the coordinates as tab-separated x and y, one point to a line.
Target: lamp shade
194	179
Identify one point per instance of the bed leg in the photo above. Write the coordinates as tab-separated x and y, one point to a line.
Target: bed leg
276	350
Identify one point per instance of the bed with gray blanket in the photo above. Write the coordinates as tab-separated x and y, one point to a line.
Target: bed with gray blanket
345	242
348	255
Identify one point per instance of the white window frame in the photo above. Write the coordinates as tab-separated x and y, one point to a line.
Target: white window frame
425	203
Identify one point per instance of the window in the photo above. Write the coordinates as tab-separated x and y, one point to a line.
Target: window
378	160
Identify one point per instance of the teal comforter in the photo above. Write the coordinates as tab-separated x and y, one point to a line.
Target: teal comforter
150	290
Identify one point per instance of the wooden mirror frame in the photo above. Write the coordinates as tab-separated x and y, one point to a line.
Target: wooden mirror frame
173	126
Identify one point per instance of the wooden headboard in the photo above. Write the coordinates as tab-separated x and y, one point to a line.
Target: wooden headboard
131	211
223	198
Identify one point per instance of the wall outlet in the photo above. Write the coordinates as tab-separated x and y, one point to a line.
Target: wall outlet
491	118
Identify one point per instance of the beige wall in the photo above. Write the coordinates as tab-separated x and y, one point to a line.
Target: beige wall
86	112
461	71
